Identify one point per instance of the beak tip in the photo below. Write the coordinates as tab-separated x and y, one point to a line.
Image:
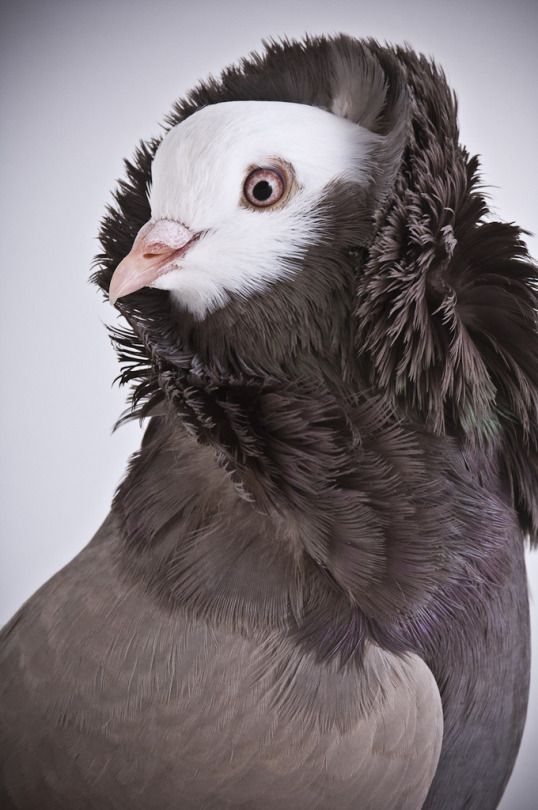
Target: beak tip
115	290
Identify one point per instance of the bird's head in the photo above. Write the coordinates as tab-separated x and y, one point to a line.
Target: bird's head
240	193
240	230
255	207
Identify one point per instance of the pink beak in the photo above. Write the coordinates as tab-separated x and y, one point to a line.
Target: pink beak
155	250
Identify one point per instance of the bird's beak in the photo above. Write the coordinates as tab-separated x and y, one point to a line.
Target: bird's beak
155	251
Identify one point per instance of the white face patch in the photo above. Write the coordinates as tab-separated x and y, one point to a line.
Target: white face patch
198	174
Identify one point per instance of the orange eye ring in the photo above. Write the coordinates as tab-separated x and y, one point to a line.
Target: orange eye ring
264	187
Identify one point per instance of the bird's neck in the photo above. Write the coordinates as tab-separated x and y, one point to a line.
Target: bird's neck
271	501
268	509
202	544
238	341
224	509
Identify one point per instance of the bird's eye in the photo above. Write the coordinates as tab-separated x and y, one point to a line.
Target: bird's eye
264	187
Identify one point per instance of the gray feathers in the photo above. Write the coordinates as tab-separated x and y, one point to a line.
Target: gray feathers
164	712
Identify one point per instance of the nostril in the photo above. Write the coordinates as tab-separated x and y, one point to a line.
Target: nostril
156	249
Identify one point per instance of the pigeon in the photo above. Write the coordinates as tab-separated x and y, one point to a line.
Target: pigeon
310	589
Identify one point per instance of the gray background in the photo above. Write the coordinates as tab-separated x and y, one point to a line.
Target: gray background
80	84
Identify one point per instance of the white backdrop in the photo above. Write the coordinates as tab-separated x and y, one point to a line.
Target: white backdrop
80	83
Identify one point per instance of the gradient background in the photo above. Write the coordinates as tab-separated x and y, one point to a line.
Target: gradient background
80	83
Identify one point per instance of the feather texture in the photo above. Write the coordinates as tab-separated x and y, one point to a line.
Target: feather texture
319	544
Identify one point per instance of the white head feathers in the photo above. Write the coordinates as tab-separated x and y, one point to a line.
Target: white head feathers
198	175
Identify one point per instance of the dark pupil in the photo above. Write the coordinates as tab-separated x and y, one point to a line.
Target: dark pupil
262	190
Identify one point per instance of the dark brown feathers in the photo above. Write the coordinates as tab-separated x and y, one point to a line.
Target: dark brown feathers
444	320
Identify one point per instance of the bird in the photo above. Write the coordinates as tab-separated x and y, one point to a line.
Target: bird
310	589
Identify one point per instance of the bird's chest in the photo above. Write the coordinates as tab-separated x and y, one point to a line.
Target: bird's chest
123	701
